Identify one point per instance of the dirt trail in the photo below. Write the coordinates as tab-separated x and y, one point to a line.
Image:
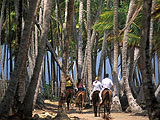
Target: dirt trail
51	111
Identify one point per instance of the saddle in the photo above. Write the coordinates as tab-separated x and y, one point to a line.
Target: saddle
69	90
106	89
80	92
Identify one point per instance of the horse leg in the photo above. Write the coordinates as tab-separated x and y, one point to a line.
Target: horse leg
104	111
76	100
82	101
68	105
109	107
80	107
95	111
99	110
70	100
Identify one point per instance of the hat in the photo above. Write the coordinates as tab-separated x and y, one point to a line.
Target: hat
97	78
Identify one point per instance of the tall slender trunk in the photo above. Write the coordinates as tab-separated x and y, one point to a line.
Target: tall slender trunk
1	61
66	35
20	64
132	103
96	18
40	74
53	74
103	52
94	59
37	91
80	60
151	102
89	59
116	102
27	105
134	56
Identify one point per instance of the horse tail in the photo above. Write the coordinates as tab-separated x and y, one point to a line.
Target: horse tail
107	95
95	97
80	97
68	97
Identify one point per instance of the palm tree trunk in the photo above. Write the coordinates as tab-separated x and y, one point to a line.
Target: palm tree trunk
89	59
116	102
151	102
37	91
103	52
21	61
27	105
134	56
1	60
96	19
132	103
157	93
80	60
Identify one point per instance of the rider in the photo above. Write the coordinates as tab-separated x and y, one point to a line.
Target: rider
97	86
106	83
69	83
79	85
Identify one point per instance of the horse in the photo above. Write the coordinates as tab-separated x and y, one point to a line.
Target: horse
80	99
69	96
106	101
96	102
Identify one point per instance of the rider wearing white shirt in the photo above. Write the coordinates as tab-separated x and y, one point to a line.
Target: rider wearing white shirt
106	83
96	87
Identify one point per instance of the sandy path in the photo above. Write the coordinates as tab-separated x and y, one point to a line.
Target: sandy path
51	110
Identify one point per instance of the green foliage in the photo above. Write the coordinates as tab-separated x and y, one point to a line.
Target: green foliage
133	40
105	22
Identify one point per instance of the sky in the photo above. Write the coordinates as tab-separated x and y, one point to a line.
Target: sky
108	68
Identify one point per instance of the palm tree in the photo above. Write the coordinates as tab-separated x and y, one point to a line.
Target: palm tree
20	64
1	61
27	105
148	87
89	62
67	33
116	102
80	54
103	52
132	103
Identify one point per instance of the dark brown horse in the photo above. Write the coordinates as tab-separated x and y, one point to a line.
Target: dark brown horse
80	99
107	101
69	96
96	102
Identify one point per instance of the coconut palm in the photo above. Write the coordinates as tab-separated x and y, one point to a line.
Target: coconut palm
116	101
151	102
132	103
20	63
89	62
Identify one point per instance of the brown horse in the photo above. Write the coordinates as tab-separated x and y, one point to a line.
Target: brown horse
96	102
69	96
80	100
107	101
